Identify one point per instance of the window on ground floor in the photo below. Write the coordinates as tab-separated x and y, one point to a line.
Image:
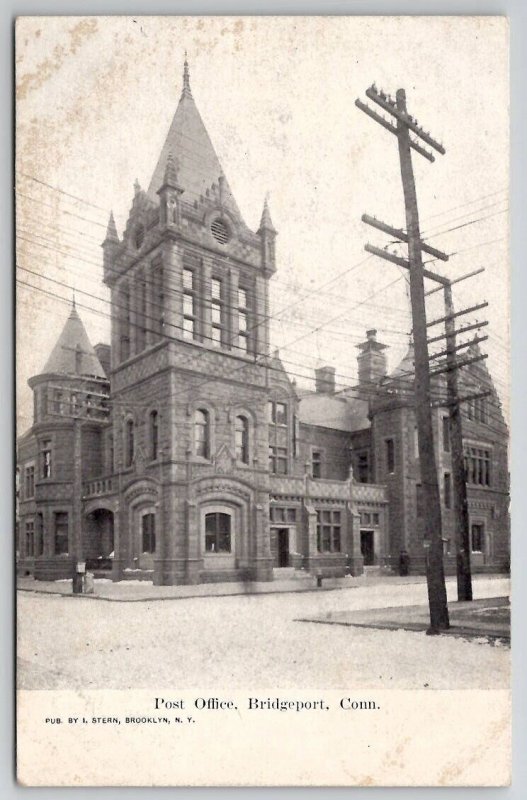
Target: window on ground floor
149	533
30	538
328	531
477	537
61	533
217	532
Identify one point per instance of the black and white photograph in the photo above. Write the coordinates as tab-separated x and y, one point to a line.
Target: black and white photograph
262	401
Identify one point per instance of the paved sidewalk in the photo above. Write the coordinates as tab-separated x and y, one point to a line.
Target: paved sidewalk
136	591
485	618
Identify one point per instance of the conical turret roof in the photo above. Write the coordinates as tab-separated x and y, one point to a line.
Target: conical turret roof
189	143
73	353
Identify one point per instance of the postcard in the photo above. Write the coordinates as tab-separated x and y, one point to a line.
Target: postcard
262	511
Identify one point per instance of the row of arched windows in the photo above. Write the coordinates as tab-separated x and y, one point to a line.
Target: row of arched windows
202	436
153	439
202	433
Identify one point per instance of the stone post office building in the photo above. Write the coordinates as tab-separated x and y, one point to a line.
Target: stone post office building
194	456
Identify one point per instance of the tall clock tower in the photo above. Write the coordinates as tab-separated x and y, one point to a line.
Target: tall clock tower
190	370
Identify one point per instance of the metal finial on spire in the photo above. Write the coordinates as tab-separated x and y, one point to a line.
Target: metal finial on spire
186	76
73	298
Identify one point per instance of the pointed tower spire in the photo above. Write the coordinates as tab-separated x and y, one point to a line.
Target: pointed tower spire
186	77
266	222
111	231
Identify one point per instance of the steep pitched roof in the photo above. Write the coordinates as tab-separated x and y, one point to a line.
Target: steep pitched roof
73	353
198	166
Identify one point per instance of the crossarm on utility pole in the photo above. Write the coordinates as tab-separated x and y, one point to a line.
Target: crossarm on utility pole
458	365
402	262
405	119
457	313
460	331
457	280
400	234
476	340
389	127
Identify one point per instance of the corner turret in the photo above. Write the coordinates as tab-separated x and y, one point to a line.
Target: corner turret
267	234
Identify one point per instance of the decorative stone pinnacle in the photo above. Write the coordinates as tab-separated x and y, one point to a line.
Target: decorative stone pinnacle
266	222
186	77
111	231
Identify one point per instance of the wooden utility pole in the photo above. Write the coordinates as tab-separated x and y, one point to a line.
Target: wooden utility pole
437	598
463	571
461	517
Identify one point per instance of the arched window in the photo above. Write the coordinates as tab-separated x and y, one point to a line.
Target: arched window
201	433
129	443
154	435
218	533
241	434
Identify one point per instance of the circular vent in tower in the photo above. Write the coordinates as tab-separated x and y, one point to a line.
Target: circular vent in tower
220	231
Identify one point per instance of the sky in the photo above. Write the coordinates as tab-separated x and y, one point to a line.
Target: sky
95	98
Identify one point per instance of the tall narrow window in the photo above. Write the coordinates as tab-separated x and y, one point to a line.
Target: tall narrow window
217	312
39	535
149	533
125	323
129	443
140	335
316	464
29	488
74	404
45	458
202	433
57	402
30	538
446	434
419	501
61	533
157	313
190	322
363	467
390	455
477	537
243	320
111	452
328	531
447	489
154	434
242	439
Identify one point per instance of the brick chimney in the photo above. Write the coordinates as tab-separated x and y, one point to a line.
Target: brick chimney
325	380
371	360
